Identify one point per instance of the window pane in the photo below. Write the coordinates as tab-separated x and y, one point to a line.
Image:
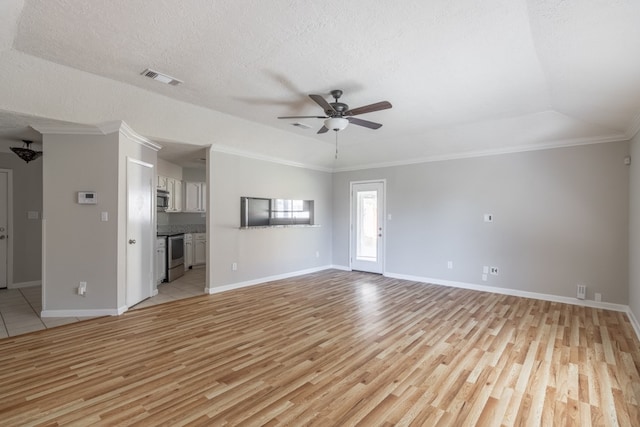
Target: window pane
367	223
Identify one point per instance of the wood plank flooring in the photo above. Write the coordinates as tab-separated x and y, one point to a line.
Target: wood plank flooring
330	348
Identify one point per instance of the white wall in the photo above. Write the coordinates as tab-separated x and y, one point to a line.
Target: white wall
78	245
169	169
634	229
272	251
561	218
27	233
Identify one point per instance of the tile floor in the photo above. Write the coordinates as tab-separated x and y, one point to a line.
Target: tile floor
20	308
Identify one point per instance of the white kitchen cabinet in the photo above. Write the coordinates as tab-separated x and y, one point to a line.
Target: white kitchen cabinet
161	259
199	248
175	195
188	251
162	183
174	187
195	197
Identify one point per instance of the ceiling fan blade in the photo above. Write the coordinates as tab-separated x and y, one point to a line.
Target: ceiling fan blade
303	117
382	105
365	123
323	103
323	129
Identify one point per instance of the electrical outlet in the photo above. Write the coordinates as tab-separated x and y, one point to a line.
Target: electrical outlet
493	270
234	266
484	277
582	291
597	297
317	254
485	270
450	265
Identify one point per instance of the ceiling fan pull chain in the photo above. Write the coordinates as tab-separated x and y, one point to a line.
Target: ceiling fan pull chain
336	145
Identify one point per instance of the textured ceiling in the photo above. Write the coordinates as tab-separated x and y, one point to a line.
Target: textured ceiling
464	77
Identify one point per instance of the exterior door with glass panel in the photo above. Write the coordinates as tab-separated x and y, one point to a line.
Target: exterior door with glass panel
367	220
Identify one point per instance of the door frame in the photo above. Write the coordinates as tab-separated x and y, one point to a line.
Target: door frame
152	234
383	245
9	226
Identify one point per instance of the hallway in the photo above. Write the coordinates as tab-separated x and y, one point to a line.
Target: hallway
20	308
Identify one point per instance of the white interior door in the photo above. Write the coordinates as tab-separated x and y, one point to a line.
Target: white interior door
140	241
367	220
4	228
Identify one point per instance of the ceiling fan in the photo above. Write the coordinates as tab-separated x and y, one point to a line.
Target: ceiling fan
338	115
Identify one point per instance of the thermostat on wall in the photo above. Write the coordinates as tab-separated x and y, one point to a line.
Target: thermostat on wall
87	198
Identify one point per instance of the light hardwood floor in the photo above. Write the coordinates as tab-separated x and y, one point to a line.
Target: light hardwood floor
330	348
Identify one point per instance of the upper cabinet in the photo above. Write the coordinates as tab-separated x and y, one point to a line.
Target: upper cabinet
195	199
162	183
174	187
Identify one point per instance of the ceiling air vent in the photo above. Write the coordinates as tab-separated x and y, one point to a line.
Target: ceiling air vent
301	125
162	78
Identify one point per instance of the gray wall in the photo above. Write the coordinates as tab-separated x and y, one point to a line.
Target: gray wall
634	229
79	246
561	218
27	233
265	252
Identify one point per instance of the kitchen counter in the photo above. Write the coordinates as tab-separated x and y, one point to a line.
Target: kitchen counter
168	233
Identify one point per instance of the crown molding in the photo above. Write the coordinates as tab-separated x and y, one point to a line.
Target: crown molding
495	152
67	130
101	129
126	130
251	155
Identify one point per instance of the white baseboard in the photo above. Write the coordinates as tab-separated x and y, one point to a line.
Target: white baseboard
217	289
634	322
340	267
31	284
83	313
513	292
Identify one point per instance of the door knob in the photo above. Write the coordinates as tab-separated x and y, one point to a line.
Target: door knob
132	242
2	237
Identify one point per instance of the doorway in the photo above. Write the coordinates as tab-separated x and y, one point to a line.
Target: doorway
367	231
140	233
5	226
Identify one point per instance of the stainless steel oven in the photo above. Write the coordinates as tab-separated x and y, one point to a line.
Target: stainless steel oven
175	257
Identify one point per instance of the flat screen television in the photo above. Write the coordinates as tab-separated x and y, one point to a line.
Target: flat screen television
262	212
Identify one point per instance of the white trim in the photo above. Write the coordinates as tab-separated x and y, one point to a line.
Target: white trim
493	152
340	267
219	148
262	280
71	129
634	321
9	239
513	292
101	129
21	285
128	132
83	313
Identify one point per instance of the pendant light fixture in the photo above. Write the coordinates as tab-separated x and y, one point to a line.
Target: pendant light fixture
26	153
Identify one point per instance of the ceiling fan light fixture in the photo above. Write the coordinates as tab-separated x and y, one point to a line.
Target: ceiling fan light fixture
336	123
26	153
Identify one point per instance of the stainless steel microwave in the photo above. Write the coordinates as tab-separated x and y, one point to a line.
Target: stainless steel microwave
162	200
